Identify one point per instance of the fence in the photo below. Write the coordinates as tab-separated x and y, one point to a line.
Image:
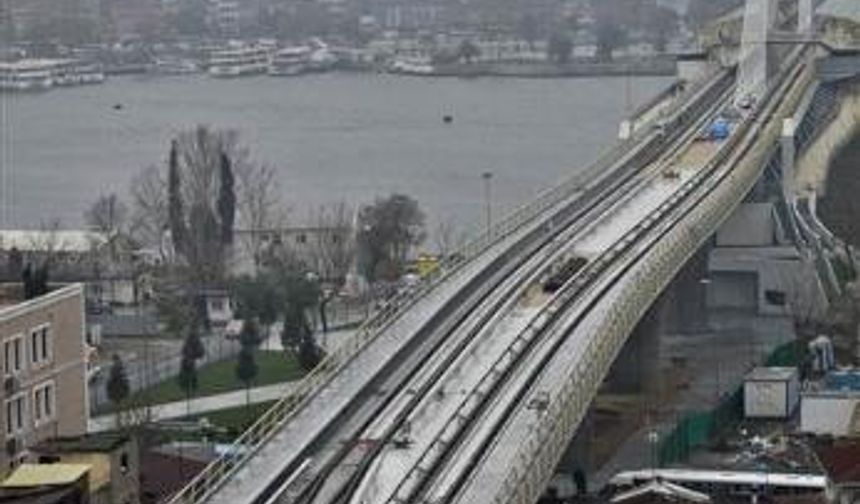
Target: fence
147	371
697	429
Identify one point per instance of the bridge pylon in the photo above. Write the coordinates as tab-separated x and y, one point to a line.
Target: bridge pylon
753	61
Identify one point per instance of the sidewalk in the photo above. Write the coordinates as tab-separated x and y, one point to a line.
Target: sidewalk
180	409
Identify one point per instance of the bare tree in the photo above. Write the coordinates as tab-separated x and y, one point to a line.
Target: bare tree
200	155
259	208
198	161
107	214
149	207
335	244
446	238
48	241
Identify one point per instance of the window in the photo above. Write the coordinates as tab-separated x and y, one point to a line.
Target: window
40	345
12	355
14	409
43	403
775	297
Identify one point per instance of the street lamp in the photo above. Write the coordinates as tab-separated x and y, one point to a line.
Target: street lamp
487	177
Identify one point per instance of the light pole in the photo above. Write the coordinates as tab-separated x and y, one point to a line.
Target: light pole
487	177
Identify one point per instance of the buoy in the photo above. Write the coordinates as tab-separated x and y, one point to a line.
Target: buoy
117	106
448	119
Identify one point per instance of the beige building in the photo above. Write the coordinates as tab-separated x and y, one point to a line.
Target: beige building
44	393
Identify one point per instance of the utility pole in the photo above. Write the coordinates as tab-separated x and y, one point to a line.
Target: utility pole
487	177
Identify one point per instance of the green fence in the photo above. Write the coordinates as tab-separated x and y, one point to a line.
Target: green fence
695	430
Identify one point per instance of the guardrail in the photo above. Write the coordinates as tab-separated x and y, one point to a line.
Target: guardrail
218	472
536	460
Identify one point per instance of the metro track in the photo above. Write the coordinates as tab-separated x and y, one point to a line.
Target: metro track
450	340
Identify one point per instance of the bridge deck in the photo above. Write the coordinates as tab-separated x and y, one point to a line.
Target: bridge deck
287	446
605	232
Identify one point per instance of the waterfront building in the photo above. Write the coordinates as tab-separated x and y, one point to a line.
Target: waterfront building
44	356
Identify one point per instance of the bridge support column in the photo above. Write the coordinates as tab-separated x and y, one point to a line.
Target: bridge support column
636	369
788	150
805	14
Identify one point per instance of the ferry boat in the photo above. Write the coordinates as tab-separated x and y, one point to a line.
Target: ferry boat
291	61
239	60
171	65
76	73
412	66
43	74
26	75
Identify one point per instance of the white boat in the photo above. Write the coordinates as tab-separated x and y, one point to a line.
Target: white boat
239	60
170	65
291	61
71	72
412	66
26	75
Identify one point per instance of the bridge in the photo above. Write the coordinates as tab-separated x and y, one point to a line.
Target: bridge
469	387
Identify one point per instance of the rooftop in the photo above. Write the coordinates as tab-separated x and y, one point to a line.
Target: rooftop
34	475
53	240
771	374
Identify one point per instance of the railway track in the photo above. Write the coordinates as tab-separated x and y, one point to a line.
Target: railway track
452	341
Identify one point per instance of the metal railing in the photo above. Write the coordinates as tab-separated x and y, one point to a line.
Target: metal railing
536	460
218	472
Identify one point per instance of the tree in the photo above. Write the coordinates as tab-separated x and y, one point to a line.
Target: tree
447	239
117	385
335	245
528	29
610	36
204	157
468	51
296	326
246	366
176	213
227	201
246	371
15	263
107	215
388	230
560	47
187	378
662	24
149	216
27	280
193	346
611	16
258	208
118	388
310	354
250	334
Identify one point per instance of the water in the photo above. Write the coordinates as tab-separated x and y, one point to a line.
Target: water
331	137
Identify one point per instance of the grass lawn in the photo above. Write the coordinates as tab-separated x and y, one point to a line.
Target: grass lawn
220	377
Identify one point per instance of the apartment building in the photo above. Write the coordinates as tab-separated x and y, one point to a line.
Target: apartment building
43	353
